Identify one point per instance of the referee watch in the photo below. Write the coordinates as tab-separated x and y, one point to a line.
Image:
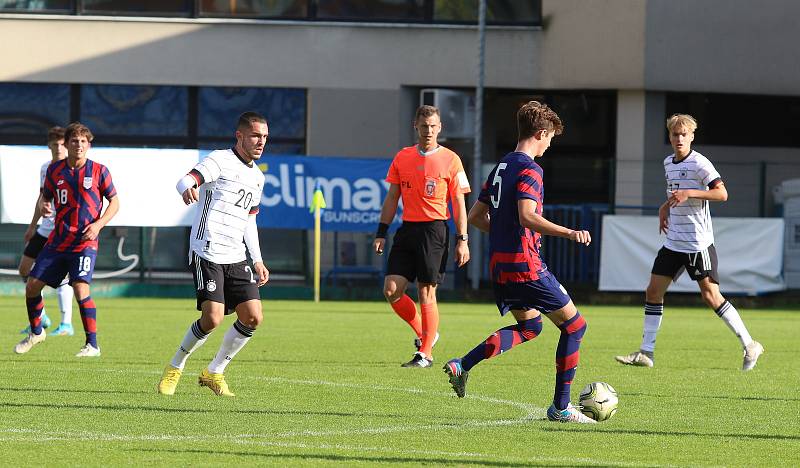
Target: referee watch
462	237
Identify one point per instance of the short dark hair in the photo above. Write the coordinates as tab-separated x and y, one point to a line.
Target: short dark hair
248	118
425	112
55	134
77	129
534	116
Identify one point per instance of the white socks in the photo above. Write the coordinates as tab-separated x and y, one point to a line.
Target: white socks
194	339
728	313
65	295
652	322
235	339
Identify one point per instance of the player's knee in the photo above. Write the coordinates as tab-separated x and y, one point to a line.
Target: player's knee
391	292
252	321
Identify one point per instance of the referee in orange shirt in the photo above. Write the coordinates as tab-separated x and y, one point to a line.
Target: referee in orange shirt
425	176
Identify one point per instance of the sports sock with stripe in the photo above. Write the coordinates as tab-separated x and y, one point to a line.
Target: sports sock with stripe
235	338
502	340
89	319
567	358
652	322
35	306
195	337
728	313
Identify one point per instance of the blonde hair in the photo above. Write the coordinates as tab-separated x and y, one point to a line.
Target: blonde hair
681	120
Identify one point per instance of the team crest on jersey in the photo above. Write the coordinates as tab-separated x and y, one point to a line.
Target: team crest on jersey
430	187
87	183
211	285
683	174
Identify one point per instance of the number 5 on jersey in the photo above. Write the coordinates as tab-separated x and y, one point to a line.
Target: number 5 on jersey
498	181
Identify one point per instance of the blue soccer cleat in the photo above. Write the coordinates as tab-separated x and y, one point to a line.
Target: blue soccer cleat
63	329
46	322
458	376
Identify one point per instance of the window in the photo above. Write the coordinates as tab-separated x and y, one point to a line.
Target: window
739	120
30	109
140	7
36	6
497	11
254	8
371	10
135	110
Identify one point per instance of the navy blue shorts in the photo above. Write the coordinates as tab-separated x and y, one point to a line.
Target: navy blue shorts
545	295
53	266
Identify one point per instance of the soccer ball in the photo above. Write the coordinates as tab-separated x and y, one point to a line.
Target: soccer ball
599	401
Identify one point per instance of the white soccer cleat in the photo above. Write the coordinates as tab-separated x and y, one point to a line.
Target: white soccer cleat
88	351
29	342
751	354
637	358
570	414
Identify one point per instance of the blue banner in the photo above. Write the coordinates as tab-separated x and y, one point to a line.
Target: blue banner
354	191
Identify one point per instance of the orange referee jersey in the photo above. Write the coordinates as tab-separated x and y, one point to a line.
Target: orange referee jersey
427	181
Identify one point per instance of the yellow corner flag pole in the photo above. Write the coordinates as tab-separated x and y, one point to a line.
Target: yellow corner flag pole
317	204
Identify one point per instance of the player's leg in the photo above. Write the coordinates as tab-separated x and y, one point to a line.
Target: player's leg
572	326
528	327
81	269
50	269
667	266
32	249
709	290
430	259
241	293
210	301
65	296
399	272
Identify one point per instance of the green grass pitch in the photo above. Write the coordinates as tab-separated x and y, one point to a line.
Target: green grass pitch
320	384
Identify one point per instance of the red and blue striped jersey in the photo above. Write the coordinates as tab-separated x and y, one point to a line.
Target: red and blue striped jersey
78	198
513	248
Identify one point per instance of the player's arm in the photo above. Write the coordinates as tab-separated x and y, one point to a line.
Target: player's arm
663	217
188	184
91	231
254	249
460	219
34	219
716	192
479	216
528	217
388	211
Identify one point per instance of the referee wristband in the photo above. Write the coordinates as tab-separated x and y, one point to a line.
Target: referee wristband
383	228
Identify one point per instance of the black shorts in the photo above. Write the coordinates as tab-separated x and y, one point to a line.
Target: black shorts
229	284
699	265
419	251
35	245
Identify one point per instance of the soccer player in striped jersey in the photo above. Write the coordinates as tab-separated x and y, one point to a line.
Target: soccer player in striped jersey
36	236
228	184
77	186
692	182
425	176
510	209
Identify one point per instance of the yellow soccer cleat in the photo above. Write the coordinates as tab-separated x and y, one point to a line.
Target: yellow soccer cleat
216	382
169	380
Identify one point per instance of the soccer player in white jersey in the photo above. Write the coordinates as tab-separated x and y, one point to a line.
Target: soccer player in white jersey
36	237
692	182
228	186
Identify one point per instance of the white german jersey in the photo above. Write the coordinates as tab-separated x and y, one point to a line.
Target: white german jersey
690	228
48	222
230	191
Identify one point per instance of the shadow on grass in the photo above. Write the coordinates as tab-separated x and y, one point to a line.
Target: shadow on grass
717	397
736	435
290	457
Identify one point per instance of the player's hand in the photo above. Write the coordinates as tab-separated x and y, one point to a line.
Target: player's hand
191	195
91	232
663	219
378	245
676	197
262	272
29	233
462	253
581	237
46	209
